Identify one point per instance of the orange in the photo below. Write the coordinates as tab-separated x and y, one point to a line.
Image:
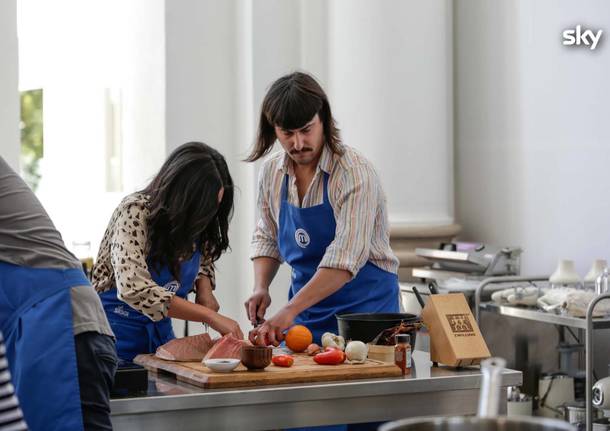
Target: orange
298	338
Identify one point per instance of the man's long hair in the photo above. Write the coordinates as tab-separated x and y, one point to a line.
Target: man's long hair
291	102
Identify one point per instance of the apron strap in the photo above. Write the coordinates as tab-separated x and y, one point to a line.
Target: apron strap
284	190
326	177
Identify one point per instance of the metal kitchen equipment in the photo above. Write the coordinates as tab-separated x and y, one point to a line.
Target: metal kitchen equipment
601	400
601	395
465	259
366	326
408	301
487	418
554	391
589	354
588	324
518	404
601	282
575	413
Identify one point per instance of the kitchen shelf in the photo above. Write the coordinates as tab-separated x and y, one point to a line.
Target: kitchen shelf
530	313
588	324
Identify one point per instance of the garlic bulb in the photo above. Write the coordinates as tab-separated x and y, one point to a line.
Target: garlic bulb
331	340
356	352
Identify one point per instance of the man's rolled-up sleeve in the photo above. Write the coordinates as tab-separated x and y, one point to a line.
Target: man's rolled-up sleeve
264	240
355	212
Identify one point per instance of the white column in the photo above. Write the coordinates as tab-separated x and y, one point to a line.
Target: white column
287	36
209	99
390	82
9	95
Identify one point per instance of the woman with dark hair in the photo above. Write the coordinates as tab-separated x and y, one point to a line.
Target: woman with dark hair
160	244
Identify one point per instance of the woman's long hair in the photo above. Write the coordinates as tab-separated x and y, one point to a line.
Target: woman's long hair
291	102
184	208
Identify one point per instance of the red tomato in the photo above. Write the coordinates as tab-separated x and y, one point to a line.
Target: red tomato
282	360
330	356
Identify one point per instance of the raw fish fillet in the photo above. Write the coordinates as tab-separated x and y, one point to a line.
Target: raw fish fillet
187	349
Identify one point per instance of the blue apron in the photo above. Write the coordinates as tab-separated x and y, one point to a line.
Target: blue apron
36	319
135	333
304	235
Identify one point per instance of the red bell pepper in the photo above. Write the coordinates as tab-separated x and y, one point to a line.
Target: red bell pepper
330	356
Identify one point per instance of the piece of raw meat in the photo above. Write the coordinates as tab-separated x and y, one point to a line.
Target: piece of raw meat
226	347
187	349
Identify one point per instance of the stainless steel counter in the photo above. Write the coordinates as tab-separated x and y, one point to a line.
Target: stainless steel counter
172	405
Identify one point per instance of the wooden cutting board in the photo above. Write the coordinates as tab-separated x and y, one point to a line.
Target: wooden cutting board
304	370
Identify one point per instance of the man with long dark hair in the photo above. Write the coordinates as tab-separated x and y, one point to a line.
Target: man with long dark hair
160	244
323	211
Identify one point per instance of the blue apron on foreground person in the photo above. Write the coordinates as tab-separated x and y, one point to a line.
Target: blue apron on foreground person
160	244
323	211
59	345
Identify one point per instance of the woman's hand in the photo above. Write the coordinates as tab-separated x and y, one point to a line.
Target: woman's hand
225	325
272	330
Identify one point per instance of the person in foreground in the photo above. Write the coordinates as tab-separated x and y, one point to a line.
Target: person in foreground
59	346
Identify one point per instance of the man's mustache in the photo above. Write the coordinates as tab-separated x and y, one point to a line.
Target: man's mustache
304	150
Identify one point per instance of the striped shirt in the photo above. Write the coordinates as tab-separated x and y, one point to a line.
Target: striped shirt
11	417
356	197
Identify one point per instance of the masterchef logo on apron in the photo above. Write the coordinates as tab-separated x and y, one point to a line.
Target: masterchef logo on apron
173	286
121	311
301	237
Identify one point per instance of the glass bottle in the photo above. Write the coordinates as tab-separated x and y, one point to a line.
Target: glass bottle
402	353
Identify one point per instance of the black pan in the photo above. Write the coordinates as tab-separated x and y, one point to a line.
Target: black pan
366	326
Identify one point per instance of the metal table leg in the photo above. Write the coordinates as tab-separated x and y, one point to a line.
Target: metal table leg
589	355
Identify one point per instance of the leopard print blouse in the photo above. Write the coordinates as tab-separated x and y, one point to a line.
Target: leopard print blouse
121	261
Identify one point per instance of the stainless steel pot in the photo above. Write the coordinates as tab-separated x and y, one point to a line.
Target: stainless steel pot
575	413
488	419
477	424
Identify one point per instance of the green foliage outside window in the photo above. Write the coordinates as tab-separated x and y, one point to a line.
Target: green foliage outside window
31	136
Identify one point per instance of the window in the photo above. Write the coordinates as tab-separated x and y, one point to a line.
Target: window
32	136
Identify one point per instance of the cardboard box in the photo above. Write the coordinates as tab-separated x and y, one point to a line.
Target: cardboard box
455	338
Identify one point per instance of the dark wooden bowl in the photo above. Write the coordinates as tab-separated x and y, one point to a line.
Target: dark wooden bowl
256	357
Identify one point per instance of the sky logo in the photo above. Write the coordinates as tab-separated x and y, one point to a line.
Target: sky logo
577	36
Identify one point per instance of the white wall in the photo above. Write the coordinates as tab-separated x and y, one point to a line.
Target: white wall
9	96
208	98
391	88
141	74
531	130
